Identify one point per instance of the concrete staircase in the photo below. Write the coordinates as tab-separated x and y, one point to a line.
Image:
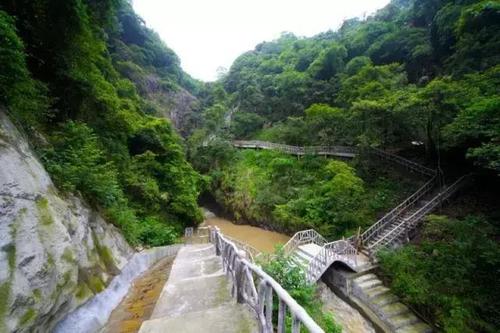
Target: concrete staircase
197	297
379	299
304	254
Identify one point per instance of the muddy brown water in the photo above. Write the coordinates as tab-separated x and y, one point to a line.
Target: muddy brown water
138	305
261	239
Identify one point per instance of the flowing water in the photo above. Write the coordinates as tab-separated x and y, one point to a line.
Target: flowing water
261	239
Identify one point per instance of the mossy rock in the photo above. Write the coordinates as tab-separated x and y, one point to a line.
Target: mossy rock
4	303
96	284
82	291
27	317
42	205
68	256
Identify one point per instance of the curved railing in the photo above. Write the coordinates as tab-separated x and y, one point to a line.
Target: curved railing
379	227
340	250
251	253
253	286
304	237
409	223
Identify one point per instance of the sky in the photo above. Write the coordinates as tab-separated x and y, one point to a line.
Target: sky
208	34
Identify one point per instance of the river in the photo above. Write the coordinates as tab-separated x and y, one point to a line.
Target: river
137	306
265	241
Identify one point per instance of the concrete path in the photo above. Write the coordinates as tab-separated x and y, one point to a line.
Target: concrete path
197	298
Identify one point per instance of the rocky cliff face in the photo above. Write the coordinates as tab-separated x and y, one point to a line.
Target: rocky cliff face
55	252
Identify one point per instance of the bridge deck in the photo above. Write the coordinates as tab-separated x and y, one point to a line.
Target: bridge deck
197	297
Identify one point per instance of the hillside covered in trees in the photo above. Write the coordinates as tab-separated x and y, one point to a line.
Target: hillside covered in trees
89	84
91	88
417	78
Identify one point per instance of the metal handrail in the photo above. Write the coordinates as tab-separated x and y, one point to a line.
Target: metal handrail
410	222
404	162
380	225
253	286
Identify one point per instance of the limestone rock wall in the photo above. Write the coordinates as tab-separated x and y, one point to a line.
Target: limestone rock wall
55	252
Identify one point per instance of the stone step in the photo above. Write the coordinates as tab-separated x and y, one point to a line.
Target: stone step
384	299
404	319
370	284
419	327
394	309
303	256
377	291
197	297
298	261
365	277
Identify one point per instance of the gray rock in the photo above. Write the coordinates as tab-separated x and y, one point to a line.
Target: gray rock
55	251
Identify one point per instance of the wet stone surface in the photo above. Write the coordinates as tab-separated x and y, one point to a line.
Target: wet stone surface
138	305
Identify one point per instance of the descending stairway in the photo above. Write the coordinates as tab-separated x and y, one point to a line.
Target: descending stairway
304	254
197	297
368	288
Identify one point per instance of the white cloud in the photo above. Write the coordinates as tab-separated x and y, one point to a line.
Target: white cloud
207	34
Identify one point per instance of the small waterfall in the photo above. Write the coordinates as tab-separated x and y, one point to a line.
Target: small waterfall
91	316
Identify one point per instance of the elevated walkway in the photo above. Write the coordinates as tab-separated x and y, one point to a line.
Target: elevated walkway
197	297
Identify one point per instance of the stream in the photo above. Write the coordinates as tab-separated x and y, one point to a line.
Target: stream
265	241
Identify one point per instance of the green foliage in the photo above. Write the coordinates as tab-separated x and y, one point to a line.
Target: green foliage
293	194
449	275
293	280
77	162
104	71
18	91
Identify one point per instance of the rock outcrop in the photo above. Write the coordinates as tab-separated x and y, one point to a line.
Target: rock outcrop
55	251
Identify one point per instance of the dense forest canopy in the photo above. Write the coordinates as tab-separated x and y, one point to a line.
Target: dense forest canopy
81	73
420	78
90	85
423	71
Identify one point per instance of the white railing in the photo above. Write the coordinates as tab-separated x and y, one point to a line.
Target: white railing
251	253
303	237
340	250
379	227
253	286
411	222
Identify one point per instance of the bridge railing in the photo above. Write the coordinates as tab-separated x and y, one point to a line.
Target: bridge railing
253	286
304	237
338	250
404	162
379	227
411	222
